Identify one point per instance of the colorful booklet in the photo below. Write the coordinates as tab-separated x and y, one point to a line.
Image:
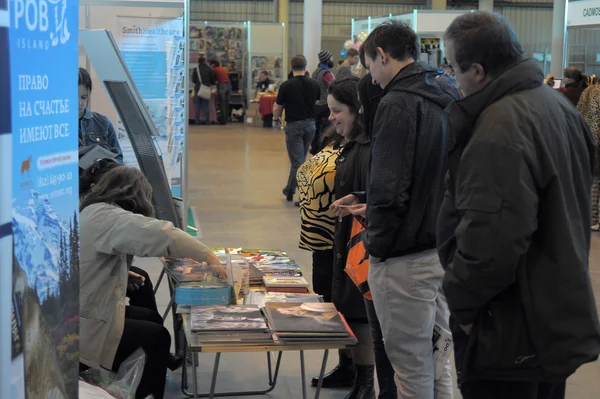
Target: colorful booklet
285	282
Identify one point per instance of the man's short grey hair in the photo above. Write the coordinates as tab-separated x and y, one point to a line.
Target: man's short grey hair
484	38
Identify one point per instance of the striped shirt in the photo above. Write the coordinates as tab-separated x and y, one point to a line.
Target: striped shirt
316	179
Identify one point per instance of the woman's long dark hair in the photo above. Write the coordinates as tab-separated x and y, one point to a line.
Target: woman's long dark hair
124	187
369	97
345	92
579	78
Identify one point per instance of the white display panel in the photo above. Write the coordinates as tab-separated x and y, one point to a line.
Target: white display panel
583	13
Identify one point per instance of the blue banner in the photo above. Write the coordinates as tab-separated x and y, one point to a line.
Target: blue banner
44	75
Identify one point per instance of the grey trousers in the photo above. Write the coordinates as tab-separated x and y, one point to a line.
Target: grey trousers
408	298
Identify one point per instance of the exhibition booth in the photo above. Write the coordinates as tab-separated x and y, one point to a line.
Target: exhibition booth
245	49
583	36
429	25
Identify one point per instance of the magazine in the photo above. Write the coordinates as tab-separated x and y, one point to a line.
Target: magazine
305	319
293	282
186	270
227	318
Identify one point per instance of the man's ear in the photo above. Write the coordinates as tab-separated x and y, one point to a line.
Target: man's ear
384	57
479	73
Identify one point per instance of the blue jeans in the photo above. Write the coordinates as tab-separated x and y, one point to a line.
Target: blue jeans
298	136
202	104
385	371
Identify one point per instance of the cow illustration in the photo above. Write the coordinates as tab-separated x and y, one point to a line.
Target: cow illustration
26	166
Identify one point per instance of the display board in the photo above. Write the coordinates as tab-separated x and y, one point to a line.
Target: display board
222	41
153	50
45	198
583	13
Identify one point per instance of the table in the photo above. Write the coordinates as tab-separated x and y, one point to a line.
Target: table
265	104
212	111
277	346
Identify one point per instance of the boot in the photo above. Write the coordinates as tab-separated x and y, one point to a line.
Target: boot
364	383
341	376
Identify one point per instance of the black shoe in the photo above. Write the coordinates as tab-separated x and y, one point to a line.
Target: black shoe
341	376
174	362
364	383
297	203
288	196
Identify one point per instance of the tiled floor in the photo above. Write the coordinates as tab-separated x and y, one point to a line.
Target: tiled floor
236	174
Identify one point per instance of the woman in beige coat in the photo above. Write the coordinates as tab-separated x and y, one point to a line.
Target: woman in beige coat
116	224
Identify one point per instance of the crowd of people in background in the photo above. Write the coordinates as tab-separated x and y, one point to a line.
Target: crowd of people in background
472	189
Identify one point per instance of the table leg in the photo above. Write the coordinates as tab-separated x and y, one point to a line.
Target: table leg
303	373
322	373
194	376
160	277
270	368
213	382
169	306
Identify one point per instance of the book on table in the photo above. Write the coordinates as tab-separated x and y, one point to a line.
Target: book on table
306	321
245	318
285	282
230	324
261	297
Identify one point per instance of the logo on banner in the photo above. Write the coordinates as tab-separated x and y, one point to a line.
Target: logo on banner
41	16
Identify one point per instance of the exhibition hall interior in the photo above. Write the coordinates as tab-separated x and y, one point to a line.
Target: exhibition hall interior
300	198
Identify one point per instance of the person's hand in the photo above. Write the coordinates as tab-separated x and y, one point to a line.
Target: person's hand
549	80
135	281
340	207
467	329
277	124
358	210
220	271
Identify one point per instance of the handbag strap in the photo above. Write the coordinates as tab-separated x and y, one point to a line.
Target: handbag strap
198	72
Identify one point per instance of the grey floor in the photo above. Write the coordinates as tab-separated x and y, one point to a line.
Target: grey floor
236	174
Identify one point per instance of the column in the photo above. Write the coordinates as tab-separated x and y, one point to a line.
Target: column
438	4
283	16
486	5
559	30
313	10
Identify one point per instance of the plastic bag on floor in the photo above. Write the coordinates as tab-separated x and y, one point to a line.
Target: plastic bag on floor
124	383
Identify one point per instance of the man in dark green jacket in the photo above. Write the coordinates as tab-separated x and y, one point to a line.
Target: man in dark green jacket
513	232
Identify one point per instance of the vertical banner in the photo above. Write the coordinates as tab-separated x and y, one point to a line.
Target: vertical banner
153	51
11	372
43	63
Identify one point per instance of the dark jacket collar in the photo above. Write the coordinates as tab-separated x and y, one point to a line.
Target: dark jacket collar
420	79
463	114
362	138
88	114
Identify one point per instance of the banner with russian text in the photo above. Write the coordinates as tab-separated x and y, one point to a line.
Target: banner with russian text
43	62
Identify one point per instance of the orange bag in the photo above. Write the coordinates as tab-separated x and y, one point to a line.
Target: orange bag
357	264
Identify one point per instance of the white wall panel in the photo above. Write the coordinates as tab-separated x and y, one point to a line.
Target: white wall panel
533	27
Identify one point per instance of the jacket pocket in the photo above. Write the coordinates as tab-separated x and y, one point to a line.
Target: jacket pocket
98	137
502	340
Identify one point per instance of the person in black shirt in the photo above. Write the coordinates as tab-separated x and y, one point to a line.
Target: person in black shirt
263	85
298	96
263	82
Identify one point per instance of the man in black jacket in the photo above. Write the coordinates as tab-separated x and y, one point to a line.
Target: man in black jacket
203	75
405	191
513	232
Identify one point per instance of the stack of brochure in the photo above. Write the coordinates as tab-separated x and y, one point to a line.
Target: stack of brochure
231	324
